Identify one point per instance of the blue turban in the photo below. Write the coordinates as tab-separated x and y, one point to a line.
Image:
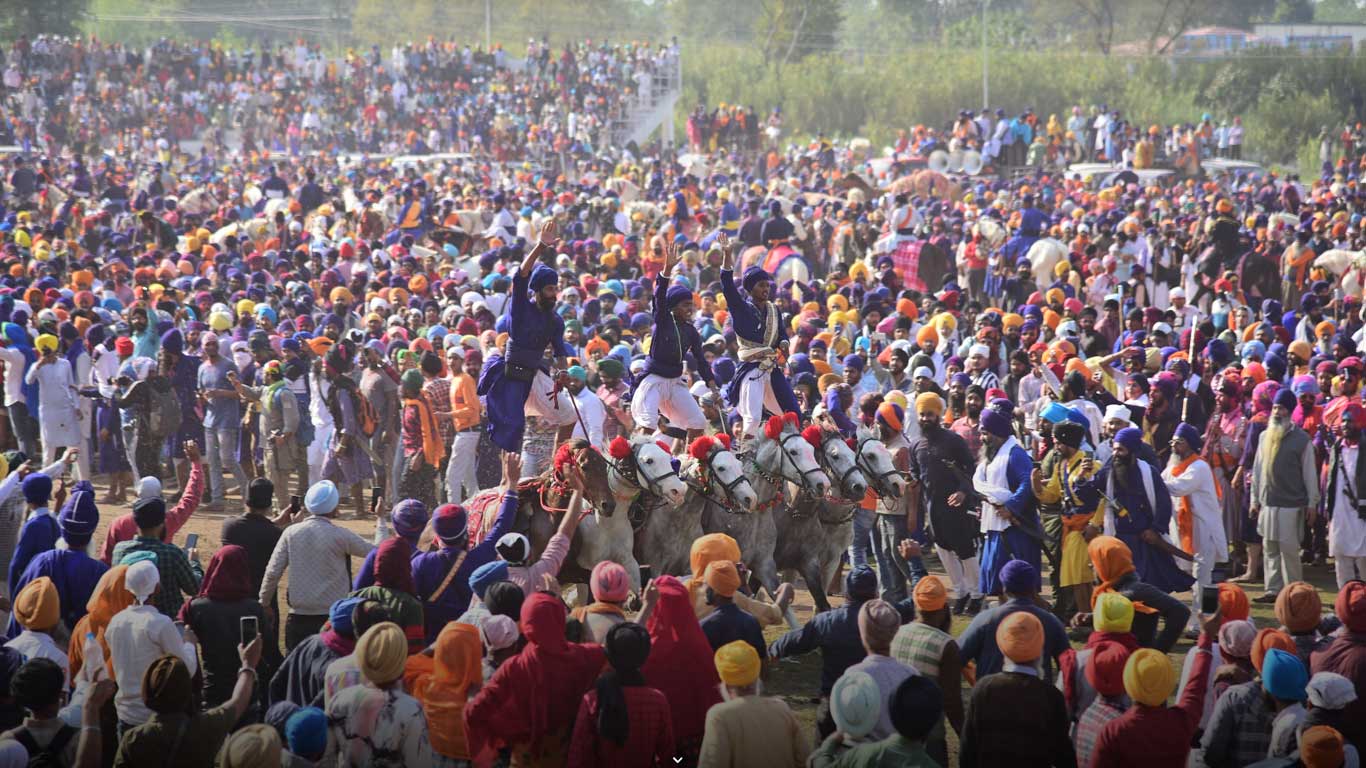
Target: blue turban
753	276
1254	350
961	379
1002	406
1304	385
1019	577
542	276
37	489
800	363
1130	438
410	517
677	294
1218	353
486	574
306	732
172	341
1190	435
79	516
339	615
998	425
1284	675
1055	413
1285	398
322	498
854	362
1075	416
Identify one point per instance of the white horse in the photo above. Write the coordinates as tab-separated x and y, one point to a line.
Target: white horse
639	469
1348	266
200	201
813	533
1043	256
779	455
715	480
993	234
627	191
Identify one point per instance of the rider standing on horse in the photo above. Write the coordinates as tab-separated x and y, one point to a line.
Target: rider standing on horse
761	332
662	391
516	382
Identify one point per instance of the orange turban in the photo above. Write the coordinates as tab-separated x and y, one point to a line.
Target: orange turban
1111	559
1266	640
1020	637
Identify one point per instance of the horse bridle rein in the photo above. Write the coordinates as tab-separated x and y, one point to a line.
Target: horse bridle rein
878	479
634	472
823	458
706	478
783	459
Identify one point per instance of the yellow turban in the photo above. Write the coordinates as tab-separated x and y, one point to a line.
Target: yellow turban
1301	349
382	653
1020	637
1148	677
896	396
929	402
930	594
46	343
1012	320
220	321
859	271
722	577
255	746
246	307
836	303
737	663
340	294
945	322
1054	296
1112	612
709	549
37	606
1061	270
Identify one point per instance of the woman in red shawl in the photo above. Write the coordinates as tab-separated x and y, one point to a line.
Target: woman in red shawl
680	664
215	615
529	704
394	589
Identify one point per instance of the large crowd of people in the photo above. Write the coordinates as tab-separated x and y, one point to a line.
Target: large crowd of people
1087	421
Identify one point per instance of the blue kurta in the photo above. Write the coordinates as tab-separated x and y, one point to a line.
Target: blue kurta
1137	515
38	535
1000	547
530	331
748	321
671	341
75	575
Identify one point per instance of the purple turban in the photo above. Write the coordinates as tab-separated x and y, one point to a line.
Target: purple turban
1286	399
1130	437
410	517
1190	435
995	423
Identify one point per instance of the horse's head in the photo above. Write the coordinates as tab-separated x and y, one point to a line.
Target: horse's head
876	462
783	452
837	459
597	490
641	464
713	456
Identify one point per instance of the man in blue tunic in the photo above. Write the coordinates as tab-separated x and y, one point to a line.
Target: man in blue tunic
516	383
759	382
1033	222
39	532
662	391
72	570
1010	518
1141	512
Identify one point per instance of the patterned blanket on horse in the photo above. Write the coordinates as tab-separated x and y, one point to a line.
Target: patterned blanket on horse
482	509
906	261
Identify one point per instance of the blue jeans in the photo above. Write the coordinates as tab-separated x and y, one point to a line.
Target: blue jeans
894	573
858	548
221	444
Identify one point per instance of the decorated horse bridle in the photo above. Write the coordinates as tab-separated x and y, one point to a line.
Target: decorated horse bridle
824	460
878	479
777	481
632	472
705	479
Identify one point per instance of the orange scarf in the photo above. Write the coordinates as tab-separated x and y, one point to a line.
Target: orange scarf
432	447
1185	513
1111	560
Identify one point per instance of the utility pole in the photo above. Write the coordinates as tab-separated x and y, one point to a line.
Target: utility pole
985	89
488	25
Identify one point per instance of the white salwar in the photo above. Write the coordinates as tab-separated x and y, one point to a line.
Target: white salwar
1196	483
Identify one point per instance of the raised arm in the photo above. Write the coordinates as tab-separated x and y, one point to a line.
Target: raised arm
545	241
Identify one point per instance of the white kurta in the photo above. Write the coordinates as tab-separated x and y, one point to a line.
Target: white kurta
59	417
1197	483
1346	531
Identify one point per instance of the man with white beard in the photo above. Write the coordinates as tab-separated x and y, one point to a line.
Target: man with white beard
1285	495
